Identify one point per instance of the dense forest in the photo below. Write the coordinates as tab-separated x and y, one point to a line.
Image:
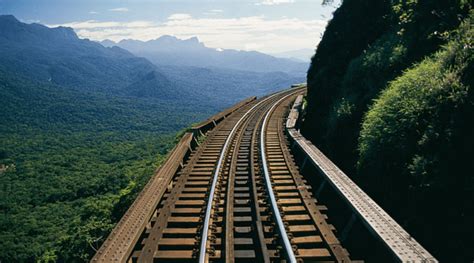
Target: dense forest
75	148
71	164
82	129
84	126
390	100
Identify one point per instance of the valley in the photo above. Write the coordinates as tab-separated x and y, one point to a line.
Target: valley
254	131
83	128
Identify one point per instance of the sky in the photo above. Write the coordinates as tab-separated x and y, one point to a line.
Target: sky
270	26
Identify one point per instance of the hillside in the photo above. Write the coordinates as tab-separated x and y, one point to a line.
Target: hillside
74	162
392	105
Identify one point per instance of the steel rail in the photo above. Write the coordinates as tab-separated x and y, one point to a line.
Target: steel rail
258	218
205	231
276	212
229	210
229	223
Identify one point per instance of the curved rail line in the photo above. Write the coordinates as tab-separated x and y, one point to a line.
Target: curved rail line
237	198
281	226
233	195
203	249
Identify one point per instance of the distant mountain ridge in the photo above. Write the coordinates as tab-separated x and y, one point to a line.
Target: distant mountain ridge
82	128
301	55
169	50
58	56
13	30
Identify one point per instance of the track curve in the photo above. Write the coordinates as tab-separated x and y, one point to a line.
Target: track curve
239	197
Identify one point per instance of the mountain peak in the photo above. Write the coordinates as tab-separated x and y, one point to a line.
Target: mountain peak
66	32
10	18
13	29
108	43
170	50
8	23
193	39
167	38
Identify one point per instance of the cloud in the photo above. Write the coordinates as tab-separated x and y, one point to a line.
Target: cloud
93	12
254	46
213	12
244	33
179	17
119	9
275	2
94	25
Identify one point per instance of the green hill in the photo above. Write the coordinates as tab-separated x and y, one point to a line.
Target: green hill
72	162
391	103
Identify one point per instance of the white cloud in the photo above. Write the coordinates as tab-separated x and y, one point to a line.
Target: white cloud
244	33
94	25
275	2
119	9
213	12
179	17
254	46
93	12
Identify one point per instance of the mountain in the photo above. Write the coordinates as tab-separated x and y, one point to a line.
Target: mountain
108	43
169	50
224	86
300	55
58	56
151	85
82	128
393	106
13	30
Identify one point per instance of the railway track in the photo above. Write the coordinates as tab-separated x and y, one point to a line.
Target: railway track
239	197
231	191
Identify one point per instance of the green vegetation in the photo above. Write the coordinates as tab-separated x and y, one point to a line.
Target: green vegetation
416	144
392	105
82	129
351	67
74	163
